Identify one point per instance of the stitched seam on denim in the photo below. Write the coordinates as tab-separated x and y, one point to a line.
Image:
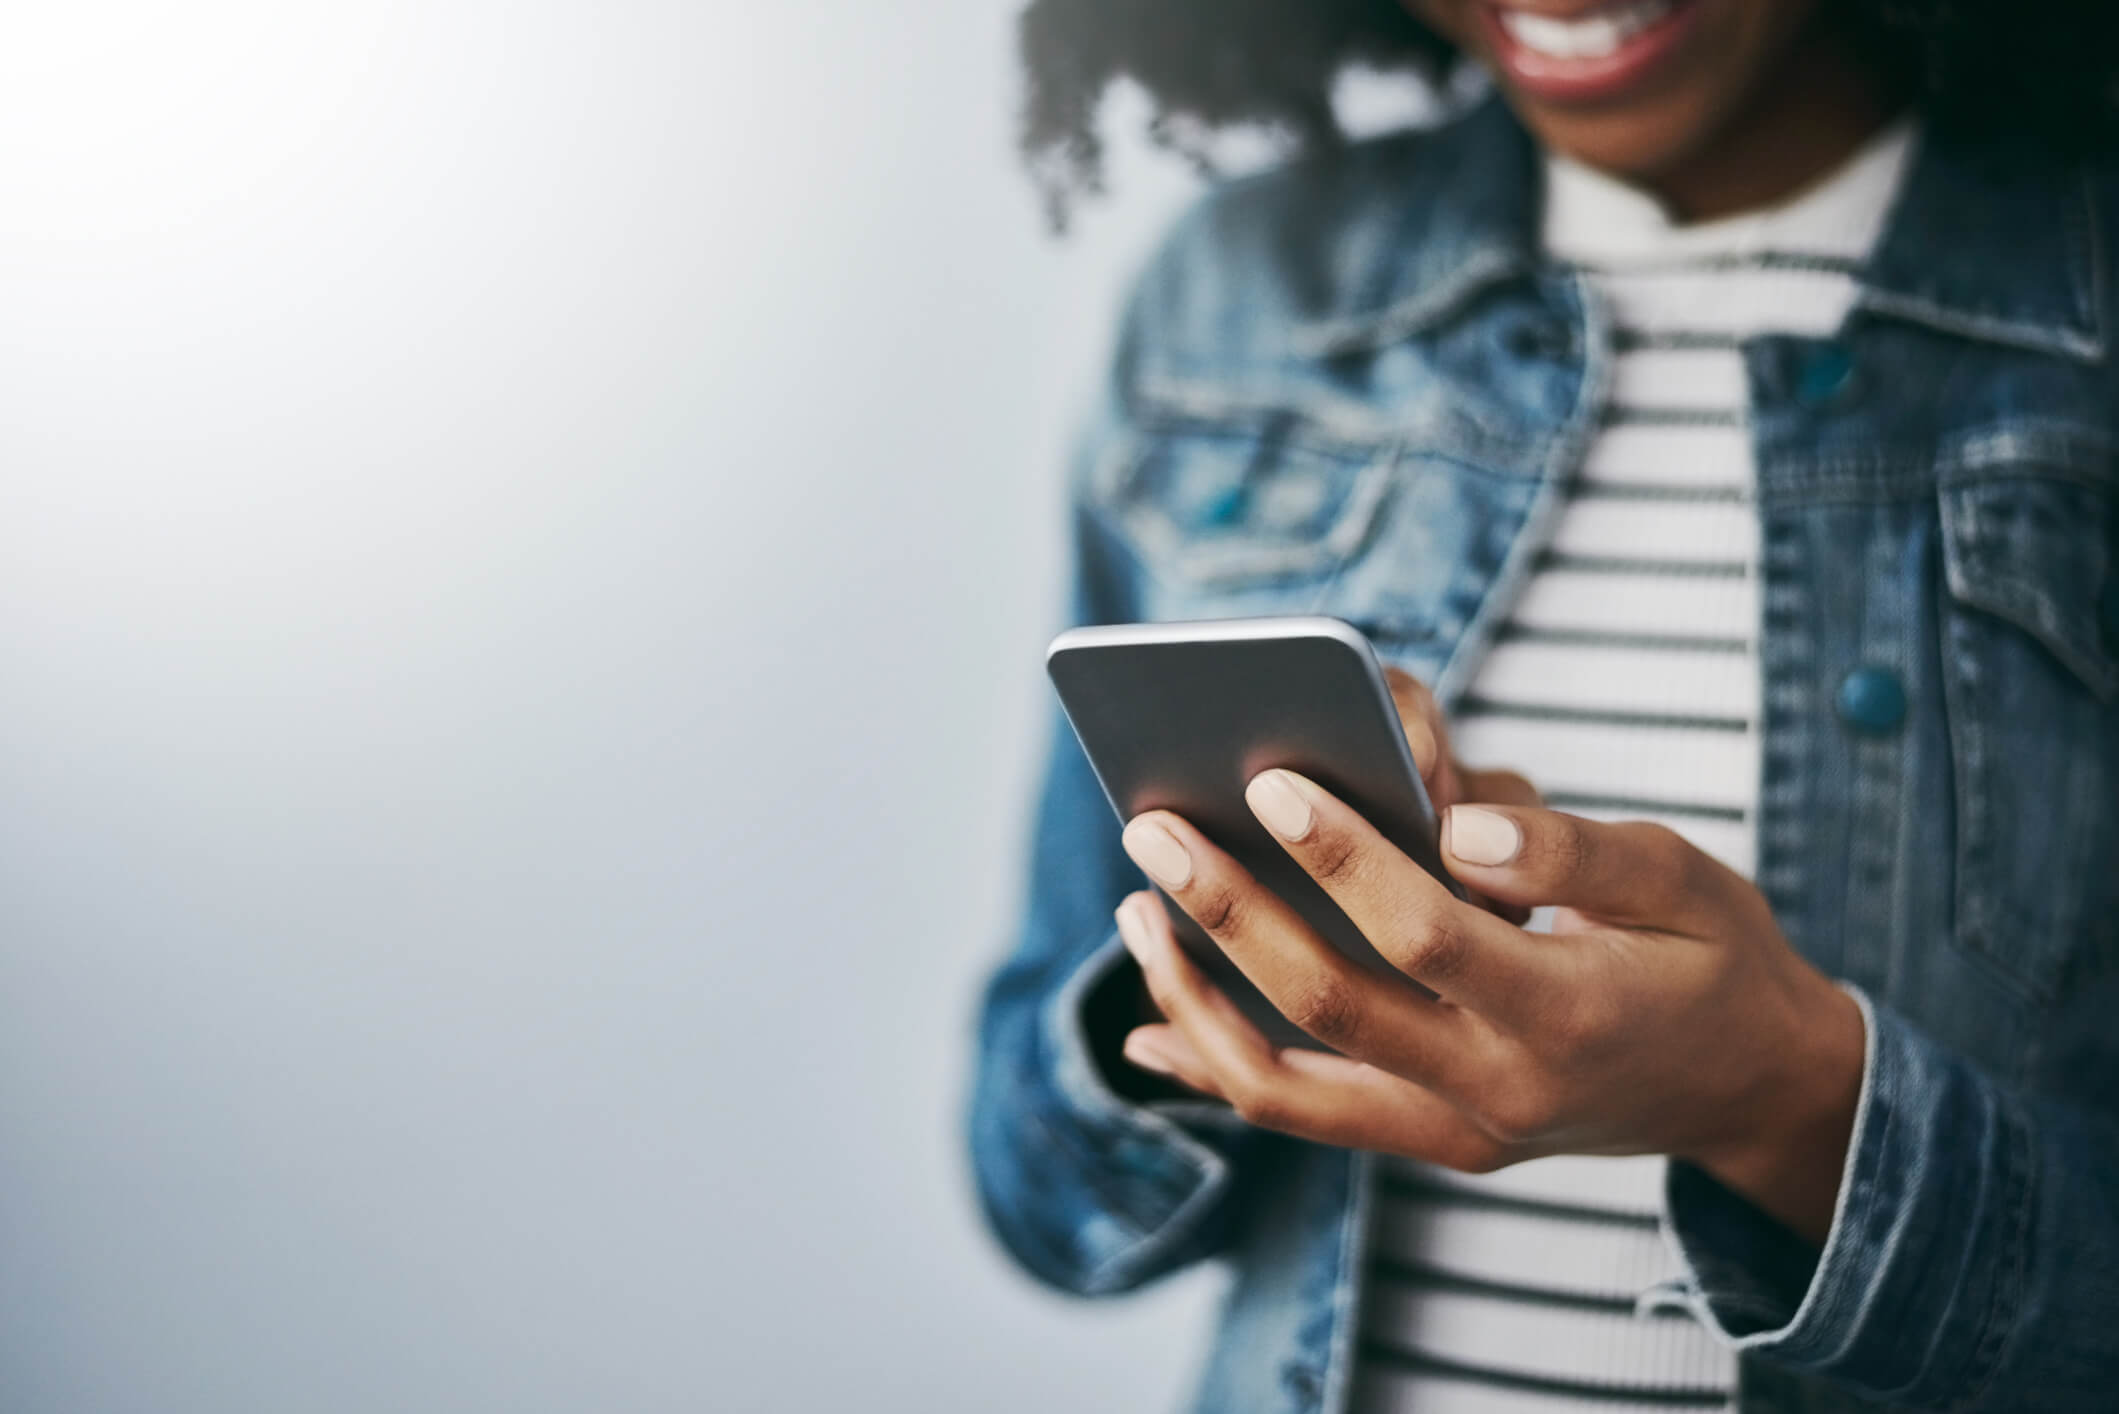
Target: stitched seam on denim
1396	322
2000	1324
1320	600
2071	638
1156	544
2020	595
1165	403
2037	451
2060	452
2017	333
1968	756
1113	1271
1799	261
1908	485
1349	1292
1562	460
1066	1141
1208	408
1861	1209
1786	661
1981	916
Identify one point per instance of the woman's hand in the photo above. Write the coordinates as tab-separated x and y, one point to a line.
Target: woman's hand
1665	1013
1449	782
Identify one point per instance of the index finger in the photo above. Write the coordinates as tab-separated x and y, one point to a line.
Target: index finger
1467	955
1349	1008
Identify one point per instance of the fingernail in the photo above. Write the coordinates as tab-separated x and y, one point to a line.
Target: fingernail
1480	836
1147	1055
1129	927
1277	800
1158	853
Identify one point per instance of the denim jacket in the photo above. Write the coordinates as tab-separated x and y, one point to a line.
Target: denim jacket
1354	386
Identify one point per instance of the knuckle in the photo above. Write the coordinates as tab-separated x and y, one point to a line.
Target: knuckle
1670	863
1590	1015
1566	850
1568	1036
1328	1009
1519	1114
1219	910
1334	858
1478	1155
1161	993
1260	1104
1436	949
1576	1040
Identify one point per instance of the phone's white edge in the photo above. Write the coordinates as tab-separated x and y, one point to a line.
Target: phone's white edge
1212	631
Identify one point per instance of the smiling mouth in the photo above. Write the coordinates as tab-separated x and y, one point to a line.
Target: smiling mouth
1595	36
1604	52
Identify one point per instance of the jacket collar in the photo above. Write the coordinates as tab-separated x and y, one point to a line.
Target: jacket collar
1997	240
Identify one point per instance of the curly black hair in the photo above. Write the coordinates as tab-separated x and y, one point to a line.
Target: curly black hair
2051	65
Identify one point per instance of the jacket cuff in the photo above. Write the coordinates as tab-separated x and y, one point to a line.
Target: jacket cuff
1154	1167
1921	1272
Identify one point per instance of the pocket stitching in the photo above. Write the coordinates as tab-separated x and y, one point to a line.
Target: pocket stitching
1166	550
2070	634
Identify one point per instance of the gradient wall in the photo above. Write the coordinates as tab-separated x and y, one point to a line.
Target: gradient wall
526	533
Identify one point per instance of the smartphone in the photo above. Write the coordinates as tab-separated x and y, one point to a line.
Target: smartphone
1181	716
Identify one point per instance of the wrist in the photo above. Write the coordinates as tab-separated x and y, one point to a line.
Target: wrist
1788	1157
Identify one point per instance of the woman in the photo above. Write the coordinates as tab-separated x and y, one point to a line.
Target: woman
1718	419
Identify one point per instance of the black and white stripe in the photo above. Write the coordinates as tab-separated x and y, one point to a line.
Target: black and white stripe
1625	683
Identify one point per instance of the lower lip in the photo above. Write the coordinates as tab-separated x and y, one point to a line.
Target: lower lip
1584	80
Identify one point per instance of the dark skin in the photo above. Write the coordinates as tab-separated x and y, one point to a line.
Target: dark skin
1776	94
1666	1013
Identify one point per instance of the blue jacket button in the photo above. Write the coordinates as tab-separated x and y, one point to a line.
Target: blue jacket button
1227	507
1872	700
1824	374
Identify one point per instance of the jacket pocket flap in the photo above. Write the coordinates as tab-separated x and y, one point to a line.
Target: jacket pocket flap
2038	552
1237	504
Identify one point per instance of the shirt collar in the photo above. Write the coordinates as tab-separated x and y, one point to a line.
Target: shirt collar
1596	219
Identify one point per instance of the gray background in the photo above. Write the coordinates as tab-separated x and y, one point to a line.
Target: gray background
526	533
525	537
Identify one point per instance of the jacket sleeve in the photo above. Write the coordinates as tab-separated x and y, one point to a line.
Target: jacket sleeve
1090	1180
1973	1258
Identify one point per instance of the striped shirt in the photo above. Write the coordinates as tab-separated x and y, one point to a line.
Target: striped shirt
1625	684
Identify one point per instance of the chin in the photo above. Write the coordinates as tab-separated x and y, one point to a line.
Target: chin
1638	141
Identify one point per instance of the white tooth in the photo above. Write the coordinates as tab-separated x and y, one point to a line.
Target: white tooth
1547	36
1596	38
1591	37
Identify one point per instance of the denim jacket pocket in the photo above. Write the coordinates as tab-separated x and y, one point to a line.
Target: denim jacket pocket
2038	553
2032	682
1229	512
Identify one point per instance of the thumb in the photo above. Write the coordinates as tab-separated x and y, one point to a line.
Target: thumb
1635	873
